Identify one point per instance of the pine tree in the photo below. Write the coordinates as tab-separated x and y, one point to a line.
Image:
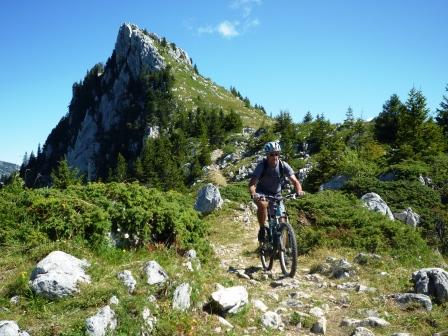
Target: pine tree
411	121
63	175
307	118
349	118
121	169
442	114
386	124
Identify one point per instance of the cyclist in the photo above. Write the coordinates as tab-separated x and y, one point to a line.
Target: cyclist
267	180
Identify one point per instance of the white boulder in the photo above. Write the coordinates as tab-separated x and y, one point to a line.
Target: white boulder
58	275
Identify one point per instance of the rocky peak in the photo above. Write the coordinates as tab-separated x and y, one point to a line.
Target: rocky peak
136	49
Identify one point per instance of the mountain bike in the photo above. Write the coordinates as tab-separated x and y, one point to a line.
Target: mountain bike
280	239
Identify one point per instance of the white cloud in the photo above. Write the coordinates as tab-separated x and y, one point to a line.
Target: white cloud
245	5
228	29
206	30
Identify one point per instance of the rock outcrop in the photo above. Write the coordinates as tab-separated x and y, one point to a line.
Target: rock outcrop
432	282
208	199
374	202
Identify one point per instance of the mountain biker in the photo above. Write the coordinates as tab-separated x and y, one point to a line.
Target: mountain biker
266	180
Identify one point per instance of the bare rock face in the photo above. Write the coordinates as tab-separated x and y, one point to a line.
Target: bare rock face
58	275
136	49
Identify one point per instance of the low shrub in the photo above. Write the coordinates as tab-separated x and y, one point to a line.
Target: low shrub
335	219
138	214
237	192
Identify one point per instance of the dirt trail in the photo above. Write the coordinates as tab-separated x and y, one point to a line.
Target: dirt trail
286	296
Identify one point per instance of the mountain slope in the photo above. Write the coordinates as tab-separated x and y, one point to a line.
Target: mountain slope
143	87
7	168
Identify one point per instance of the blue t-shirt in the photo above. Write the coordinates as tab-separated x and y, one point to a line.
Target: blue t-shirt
270	183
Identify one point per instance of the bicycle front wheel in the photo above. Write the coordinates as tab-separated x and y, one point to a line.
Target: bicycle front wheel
288	250
266	255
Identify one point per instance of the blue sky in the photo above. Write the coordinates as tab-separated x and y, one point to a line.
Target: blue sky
320	56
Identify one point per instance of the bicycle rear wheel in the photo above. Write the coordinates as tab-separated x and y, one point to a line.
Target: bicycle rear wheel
288	250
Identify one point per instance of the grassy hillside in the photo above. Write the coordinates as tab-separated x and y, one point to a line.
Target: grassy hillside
193	90
75	220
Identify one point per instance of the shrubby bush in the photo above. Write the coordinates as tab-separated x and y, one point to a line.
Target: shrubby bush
88	213
402	194
335	219
236	192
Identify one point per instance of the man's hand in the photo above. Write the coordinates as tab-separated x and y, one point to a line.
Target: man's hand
300	193
255	197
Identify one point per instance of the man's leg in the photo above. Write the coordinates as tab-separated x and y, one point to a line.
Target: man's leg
262	214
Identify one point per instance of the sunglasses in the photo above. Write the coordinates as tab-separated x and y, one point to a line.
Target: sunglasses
274	154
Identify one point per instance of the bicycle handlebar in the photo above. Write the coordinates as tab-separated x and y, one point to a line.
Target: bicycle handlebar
279	198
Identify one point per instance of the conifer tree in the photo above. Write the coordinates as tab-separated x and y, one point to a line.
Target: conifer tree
411	121
386	124
442	114
349	118
308	118
63	175
121	169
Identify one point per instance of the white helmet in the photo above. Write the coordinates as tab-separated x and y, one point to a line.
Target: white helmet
272	146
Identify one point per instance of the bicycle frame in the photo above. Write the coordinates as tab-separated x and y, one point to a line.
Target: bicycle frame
281	242
276	215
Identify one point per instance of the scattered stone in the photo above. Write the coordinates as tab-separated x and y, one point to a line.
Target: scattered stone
10	328
375	203
286	283
316	311
320	327
271	320
408	300
364	258
441	333
314	278
225	323
151	299
408	216
102	322
128	280
260	305
190	254
373	321
208	199
155	273
361	331
292	303
15	300
58	275
230	300
188	265
404	334
114	301
181	299
369	321
150	321
336	183
432	282
341	268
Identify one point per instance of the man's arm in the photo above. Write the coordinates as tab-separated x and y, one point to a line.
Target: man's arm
253	186
296	184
